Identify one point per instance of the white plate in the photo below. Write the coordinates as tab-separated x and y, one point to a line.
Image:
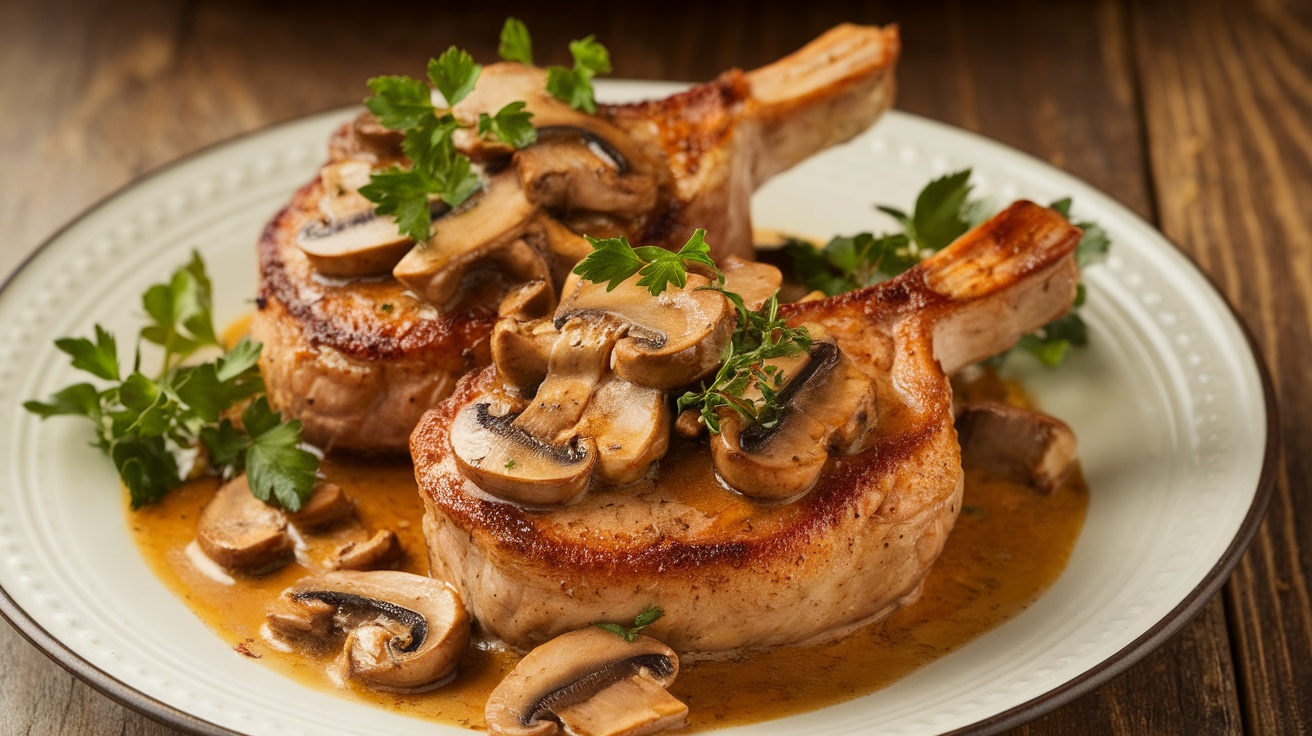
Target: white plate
1170	404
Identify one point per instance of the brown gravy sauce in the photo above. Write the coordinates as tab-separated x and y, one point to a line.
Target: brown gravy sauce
1009	544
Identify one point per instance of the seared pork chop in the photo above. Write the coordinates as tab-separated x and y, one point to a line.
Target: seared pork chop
358	360
733	573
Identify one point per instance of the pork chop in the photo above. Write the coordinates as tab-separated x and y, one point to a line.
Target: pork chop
732	573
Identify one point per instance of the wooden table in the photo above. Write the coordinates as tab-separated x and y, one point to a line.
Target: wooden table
1195	115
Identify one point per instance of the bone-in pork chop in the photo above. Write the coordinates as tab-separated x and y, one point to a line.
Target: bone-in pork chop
734	573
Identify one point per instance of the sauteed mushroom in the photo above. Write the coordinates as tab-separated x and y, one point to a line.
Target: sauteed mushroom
672	340
403	631
826	402
1027	446
589	681
241	532
508	461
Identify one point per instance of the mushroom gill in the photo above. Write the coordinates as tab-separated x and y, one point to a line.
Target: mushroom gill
589	681
401	631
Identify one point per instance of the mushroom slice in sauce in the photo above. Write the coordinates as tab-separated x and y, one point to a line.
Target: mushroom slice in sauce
379	550
489	224
511	463
403	631
588	682
672	340
241	532
328	505
827	402
1019	444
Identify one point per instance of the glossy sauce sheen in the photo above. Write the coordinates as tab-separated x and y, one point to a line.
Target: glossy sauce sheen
1009	544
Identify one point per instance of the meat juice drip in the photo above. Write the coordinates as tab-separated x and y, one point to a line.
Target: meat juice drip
1009	544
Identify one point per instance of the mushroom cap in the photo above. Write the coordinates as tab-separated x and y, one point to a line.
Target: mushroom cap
567	670
512	464
574	168
673	339
827	403
404	631
489	223
241	532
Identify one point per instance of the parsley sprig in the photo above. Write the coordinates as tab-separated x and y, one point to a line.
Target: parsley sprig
613	260
437	168
943	212
153	428
760	336
574	85
649	616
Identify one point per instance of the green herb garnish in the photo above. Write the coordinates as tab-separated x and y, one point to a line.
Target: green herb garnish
761	336
437	168
943	212
575	85
649	616
153	427
512	124
515	43
613	260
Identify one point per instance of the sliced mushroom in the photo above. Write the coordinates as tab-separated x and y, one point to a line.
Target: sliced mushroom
827	404
754	281
523	336
367	138
578	361
631	427
672	340
341	182
328	505
376	552
350	239
403	631
589	681
489	225
566	246
511	463
501	84
241	532
1025	446
574	168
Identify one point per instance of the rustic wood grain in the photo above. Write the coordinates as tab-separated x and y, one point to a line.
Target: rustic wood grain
1194	115
1228	88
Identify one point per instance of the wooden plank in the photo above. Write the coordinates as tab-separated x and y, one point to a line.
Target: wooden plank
1228	88
1060	83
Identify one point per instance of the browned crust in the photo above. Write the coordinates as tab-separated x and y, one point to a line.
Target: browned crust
350	316
690	123
532	535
